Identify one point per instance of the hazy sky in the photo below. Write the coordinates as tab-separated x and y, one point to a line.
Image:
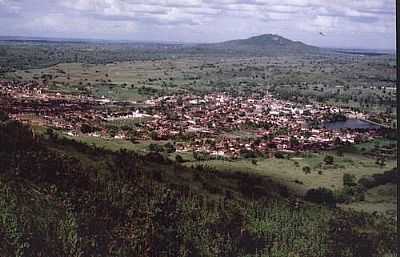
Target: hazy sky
345	23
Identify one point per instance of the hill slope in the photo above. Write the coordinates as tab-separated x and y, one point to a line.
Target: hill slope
62	198
267	44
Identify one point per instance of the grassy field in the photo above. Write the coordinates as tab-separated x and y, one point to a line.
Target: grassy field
345	83
118	81
290	171
381	199
377	143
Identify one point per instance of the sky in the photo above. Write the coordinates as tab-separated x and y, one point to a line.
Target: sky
368	24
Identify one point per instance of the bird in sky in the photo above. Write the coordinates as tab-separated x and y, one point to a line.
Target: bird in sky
322	34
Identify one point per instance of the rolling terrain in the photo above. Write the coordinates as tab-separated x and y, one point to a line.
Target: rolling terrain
108	185
63	198
21	53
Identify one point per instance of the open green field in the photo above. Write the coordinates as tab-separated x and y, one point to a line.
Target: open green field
290	171
377	143
366	83
139	80
381	199
111	144
119	81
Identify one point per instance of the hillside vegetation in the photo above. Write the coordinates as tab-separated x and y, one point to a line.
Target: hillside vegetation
18	54
59	197
267	45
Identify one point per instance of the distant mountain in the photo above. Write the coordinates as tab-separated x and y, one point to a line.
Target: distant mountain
111	50
267	44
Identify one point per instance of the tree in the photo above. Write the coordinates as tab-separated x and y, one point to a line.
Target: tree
349	180
321	195
201	156
155	148
337	141
329	160
380	161
132	136
306	170
112	132
179	101
50	132
179	159
153	135
86	128
169	147
247	153
3	116
294	141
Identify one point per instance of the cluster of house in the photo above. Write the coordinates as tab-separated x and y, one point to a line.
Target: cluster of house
223	125
34	103
217	123
235	147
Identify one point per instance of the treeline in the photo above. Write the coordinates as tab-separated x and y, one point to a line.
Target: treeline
375	180
364	99
29	55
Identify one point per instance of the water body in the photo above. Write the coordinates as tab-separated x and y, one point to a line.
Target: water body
350	124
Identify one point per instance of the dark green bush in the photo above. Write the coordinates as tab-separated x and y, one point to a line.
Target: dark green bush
321	195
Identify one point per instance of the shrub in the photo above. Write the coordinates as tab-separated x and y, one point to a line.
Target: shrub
329	160
169	147
339	153
155	157
86	128
306	170
349	180
3	116
321	195
155	148
247	154
201	156
179	159
342	196
378	179
367	181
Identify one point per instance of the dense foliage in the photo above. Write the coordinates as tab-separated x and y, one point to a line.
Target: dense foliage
63	198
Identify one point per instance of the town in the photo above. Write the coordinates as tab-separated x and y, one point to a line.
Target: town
215	124
198	128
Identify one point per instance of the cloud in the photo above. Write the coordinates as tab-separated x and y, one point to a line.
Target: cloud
9	7
201	20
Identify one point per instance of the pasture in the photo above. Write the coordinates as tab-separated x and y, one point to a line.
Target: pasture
290	171
365	83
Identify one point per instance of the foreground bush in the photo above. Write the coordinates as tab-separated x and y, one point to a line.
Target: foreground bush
103	203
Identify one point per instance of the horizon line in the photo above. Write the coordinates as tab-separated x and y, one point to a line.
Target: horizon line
88	40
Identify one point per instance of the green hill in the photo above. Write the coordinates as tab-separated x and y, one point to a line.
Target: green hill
267	44
60	198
